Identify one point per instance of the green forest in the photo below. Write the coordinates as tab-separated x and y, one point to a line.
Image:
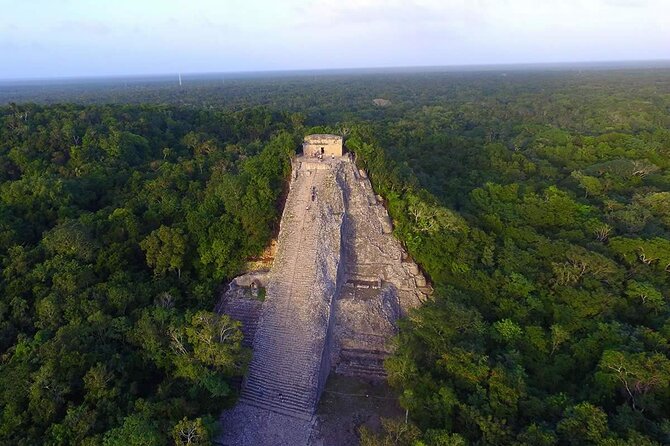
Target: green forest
537	202
117	224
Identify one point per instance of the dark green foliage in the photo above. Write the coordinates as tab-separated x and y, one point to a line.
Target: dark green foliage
546	240
538	203
117	223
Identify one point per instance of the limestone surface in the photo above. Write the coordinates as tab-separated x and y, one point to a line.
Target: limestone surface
338	284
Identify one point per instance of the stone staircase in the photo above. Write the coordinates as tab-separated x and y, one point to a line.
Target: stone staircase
248	312
362	362
284	372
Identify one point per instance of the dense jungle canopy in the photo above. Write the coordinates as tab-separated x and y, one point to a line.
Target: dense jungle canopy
537	202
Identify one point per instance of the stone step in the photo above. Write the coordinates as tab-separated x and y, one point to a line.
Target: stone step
288	381
282	379
280	360
277	402
278	332
294	367
281	339
280	346
299	358
247	321
261	361
270	392
376	361
304	414
275	368
361	371
272	350
285	334
355	352
280	335
248	315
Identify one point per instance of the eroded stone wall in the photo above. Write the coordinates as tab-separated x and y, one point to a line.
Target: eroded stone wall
379	283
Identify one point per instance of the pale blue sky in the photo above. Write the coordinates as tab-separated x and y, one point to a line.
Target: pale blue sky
53	38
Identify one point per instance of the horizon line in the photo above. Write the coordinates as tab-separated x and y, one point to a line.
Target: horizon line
625	63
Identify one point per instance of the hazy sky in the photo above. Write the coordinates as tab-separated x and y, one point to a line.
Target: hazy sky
49	38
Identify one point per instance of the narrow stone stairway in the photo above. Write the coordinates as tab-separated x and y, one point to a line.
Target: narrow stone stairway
284	372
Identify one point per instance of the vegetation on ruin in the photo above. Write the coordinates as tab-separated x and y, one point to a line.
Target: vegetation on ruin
538	203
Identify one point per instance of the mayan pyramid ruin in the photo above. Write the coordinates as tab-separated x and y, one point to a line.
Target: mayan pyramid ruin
338	284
